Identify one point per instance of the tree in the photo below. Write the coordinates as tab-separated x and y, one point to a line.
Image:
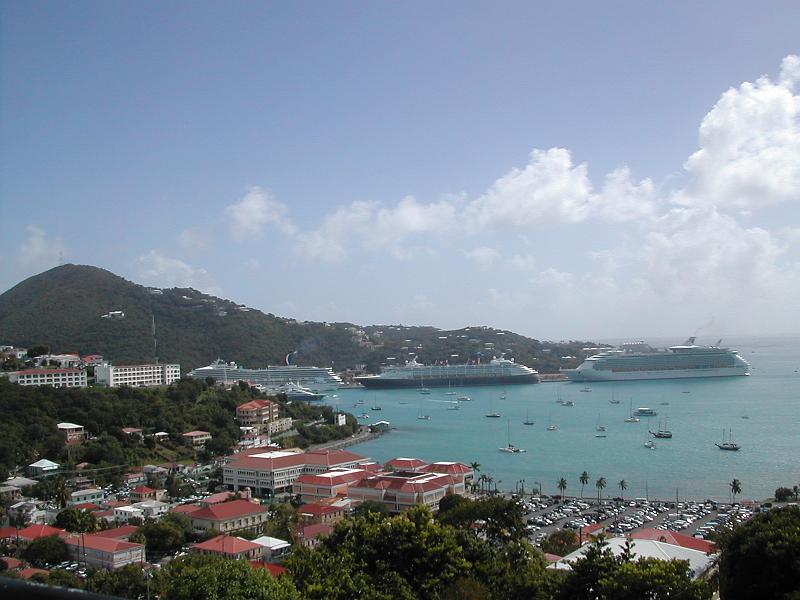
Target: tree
162	537
758	559
77	521
476	466
562	486
600	484
126	582
560	542
49	550
736	488
623	485
379	508
62	578
211	577
584	479
282	520
782	494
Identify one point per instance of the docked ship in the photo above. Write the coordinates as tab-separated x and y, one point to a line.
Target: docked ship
317	379
498	371
640	361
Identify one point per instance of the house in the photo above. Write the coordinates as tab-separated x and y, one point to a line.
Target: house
152	509
197	438
35	532
86	496
230	547
257	412
133	432
42	467
309	536
323	512
274	549
102	552
73	434
141	493
9	493
226	517
119	533
279	425
133	478
28	511
161	436
123	514
93	360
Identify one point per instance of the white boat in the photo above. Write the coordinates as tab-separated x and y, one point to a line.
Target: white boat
567	403
454	406
631	418
551	427
511	448
586	389
644	411
599	427
730	444
527	420
424	417
463	398
650	445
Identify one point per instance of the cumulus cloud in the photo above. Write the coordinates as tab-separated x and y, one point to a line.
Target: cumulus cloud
749	155
39	251
483	257
256	211
162	271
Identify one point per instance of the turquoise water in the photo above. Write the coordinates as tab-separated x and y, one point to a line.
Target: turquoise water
690	463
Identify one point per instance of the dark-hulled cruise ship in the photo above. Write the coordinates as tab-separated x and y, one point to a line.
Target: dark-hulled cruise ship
498	371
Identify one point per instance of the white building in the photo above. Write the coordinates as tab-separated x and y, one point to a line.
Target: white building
50	377
137	375
94	496
42	467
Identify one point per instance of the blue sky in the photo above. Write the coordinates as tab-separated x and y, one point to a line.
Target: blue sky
565	170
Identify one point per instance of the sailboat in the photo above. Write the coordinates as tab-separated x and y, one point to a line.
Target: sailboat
551	427
662	432
454	406
613	399
730	444
491	414
376	406
511	448
450	391
599	427
421	416
527	420
631	418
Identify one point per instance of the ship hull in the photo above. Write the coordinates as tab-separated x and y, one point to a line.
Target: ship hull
387	383
584	375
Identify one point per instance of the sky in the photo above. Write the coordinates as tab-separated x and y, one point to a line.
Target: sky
565	170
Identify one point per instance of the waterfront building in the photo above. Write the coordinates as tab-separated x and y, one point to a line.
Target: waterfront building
276	471
50	377
330	484
137	375
402	490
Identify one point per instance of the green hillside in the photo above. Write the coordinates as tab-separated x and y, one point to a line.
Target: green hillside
62	308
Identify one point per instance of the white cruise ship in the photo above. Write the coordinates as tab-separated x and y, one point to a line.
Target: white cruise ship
639	361
317	379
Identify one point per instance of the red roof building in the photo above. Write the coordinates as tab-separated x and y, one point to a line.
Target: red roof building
103	552
275	570
310	535
118	533
318	512
454	469
406	464
230	546
185	509
31	571
12	563
329	484
257	412
675	538
235	515
35	532
403	490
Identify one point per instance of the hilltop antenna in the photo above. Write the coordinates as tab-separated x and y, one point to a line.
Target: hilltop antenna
155	340
60	258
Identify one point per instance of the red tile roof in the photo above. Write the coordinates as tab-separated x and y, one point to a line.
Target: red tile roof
8	532
673	537
228	510
315	530
30	572
34	532
255	405
118	533
275	570
319	458
448	468
103	544
87	506
217	498
226	544
406	463
551	558
12	563
142	489
314	508
186	509
196	433
332	478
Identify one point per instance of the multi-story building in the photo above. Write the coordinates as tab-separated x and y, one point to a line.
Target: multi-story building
93	495
197	438
279	425
276	471
137	375
256	412
331	484
402	490
230	547
73	434
226	517
50	377
103	553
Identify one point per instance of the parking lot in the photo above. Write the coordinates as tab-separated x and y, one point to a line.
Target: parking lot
545	515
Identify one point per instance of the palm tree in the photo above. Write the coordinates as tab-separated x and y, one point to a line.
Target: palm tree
562	486
623	485
736	488
600	484
476	466
584	479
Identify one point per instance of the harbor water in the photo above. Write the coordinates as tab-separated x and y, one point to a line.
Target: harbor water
761	412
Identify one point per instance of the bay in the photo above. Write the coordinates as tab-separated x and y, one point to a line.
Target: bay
761	411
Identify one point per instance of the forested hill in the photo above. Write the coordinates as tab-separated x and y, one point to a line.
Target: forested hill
63	309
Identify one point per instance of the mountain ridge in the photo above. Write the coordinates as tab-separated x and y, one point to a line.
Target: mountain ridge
63	308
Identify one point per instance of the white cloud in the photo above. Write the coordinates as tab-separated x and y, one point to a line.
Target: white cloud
522	262
256	211
330	241
192	240
483	257
749	154
163	271
39	252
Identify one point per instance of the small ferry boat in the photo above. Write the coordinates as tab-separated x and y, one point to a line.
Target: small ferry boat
643	411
